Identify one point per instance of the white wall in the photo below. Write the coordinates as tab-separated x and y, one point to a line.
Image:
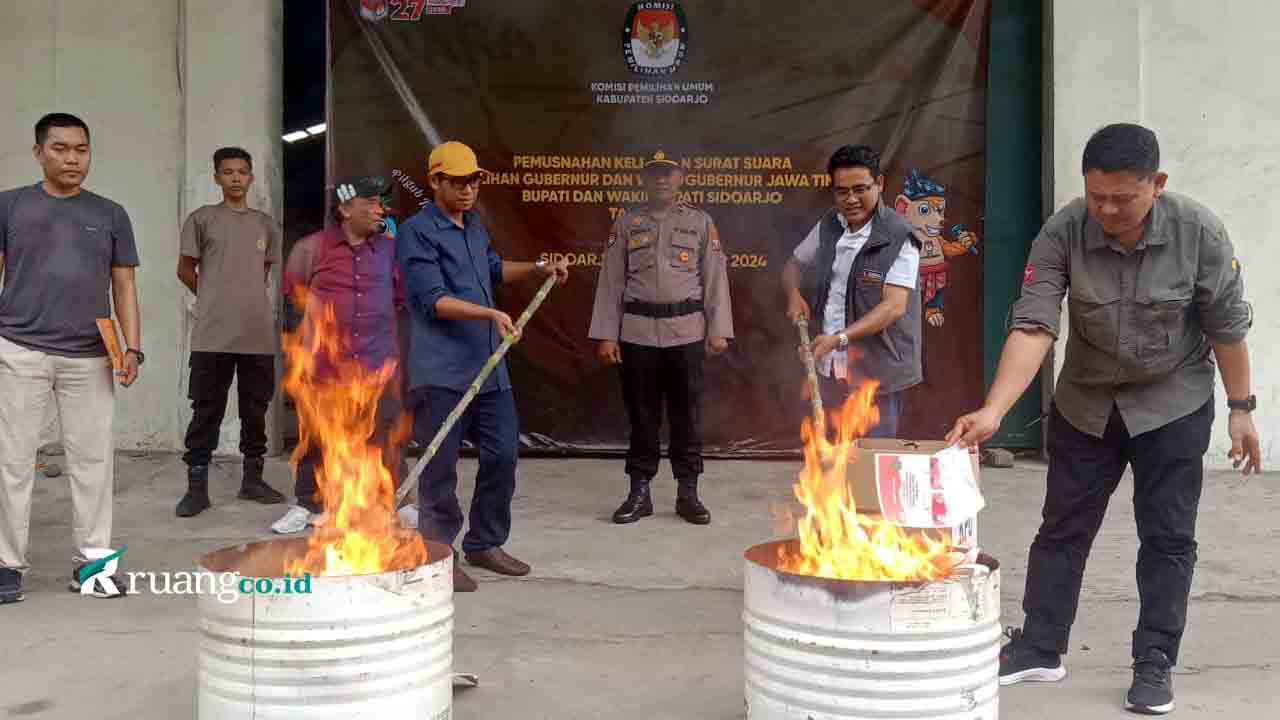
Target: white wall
1199	75
161	84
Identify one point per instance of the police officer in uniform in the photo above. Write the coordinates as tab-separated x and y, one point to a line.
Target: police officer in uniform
662	305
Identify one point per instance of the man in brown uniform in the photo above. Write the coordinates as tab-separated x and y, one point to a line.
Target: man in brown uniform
662	304
227	251
1156	296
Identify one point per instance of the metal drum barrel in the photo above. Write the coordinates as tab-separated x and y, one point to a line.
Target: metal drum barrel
822	649
362	646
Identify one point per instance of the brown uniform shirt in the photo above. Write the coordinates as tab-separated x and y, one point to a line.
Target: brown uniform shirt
234	312
1142	321
662	258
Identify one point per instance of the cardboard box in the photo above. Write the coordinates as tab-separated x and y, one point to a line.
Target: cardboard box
964	535
917	479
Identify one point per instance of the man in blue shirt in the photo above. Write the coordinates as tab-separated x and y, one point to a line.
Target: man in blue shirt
449	268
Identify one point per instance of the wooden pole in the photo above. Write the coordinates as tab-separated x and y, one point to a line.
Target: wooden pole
412	478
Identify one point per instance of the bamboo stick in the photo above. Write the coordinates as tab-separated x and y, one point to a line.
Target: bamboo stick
811	372
412	478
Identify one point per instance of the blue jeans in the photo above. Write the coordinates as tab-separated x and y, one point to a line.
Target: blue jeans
834	392
491	425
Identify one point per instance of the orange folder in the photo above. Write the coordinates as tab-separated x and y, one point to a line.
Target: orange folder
111	336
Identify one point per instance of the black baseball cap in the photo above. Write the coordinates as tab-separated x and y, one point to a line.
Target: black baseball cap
353	186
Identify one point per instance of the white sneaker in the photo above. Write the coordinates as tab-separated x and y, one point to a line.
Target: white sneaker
408	517
295	520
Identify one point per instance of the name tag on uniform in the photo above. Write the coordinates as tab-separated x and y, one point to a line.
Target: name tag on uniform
873	277
638	241
687	231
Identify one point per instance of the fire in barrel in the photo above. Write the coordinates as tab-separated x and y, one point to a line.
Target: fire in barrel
370	632
857	617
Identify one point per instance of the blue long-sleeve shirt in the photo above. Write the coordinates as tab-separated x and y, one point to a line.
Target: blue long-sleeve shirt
439	259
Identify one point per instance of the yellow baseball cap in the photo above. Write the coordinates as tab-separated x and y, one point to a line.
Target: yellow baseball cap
453	158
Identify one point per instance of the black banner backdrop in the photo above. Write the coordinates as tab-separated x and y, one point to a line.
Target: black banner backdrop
563	99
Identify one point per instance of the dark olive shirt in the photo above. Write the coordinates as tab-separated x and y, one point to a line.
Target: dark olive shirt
1141	322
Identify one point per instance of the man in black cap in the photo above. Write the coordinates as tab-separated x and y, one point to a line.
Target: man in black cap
351	266
662	305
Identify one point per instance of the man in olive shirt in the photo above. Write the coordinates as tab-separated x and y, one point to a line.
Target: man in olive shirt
1155	296
66	256
227	251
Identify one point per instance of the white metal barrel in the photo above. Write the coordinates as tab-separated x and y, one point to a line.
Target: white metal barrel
820	649
354	647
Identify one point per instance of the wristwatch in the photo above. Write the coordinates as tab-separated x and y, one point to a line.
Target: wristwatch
541	264
1248	404
141	357
843	339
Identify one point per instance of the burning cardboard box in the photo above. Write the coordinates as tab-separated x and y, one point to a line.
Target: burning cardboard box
919	484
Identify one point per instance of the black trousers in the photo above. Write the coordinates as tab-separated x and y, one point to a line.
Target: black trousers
211	375
1168	473
651	376
386	433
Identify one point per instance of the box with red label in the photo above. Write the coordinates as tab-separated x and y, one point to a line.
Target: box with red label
919	484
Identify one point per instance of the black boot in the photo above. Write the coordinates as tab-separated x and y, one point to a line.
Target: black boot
252	486
638	503
196	500
688	506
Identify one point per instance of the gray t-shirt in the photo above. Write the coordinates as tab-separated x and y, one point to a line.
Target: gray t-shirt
233	310
58	255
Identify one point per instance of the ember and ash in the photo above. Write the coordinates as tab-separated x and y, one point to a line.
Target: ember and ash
337	400
834	540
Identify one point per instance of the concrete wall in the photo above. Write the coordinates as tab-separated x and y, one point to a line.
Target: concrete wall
162	84
1198	75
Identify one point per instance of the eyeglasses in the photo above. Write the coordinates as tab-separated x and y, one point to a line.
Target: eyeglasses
461	182
844	192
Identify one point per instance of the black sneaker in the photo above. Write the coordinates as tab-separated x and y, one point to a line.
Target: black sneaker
1020	661
10	586
1152	690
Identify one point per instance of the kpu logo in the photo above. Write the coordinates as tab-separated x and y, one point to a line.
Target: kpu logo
655	37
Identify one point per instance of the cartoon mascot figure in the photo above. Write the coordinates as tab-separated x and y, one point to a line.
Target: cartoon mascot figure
923	203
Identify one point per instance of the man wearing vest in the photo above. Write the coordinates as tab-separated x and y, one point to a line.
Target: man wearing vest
856	272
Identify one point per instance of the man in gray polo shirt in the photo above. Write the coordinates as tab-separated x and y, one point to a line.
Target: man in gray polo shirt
1155	296
227	253
63	252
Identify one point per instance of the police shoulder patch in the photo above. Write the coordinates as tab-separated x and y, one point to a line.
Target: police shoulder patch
713	237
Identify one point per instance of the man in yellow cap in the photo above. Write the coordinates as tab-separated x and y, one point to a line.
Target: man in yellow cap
662	305
449	268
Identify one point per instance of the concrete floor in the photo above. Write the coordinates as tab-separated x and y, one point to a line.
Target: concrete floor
641	621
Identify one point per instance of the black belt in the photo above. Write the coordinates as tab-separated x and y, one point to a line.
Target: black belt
662	310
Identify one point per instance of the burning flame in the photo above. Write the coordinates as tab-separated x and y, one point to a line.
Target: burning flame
337	400
835	541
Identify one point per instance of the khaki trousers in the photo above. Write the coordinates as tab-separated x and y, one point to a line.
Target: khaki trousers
83	390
